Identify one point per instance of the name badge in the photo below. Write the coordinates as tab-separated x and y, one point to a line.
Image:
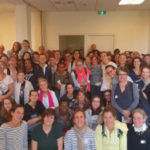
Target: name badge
116	96
143	141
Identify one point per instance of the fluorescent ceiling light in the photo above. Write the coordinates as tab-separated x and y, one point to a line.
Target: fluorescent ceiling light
131	2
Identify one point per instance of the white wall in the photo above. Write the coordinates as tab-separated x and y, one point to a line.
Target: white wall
7	29
130	28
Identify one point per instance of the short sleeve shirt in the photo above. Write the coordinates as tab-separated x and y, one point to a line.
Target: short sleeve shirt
47	141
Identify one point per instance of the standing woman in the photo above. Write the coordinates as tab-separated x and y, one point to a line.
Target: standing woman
6	84
125	96
13	134
79	136
96	76
81	77
139	133
135	73
48	135
47	96
112	134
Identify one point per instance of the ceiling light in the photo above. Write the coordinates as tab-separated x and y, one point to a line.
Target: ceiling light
131	2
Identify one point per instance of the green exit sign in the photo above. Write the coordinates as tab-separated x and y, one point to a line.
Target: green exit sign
102	12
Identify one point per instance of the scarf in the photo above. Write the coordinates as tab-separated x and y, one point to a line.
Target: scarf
50	99
80	137
84	75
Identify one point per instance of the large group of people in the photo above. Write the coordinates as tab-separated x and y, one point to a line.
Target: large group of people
52	99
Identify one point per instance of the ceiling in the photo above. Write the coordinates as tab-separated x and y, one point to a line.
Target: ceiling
73	5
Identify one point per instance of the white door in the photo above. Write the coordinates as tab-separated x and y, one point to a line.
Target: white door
103	42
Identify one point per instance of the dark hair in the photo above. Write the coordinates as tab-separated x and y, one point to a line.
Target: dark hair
16	106
62	100
69	84
48	112
32	91
110	66
28	54
5	115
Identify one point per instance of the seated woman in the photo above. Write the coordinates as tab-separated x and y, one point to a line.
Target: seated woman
33	110
22	89
47	96
64	115
125	96
5	113
81	101
135	73
6	84
69	96
79	136
139	133
48	135
94	114
60	78
13	134
112	134
81	77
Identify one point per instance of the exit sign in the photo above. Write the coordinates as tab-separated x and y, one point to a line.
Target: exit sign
102	12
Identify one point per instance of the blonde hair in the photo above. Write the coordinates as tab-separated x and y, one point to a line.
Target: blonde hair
141	111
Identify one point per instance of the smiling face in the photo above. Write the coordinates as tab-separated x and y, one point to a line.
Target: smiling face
79	119
122	76
18	114
48	120
34	96
96	103
7	104
145	73
138	119
43	86
109	120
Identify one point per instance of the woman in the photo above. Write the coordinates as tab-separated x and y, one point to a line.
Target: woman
125	96
94	114
96	76
48	135
107	98
146	79
13	134
60	78
46	96
76	57
139	133
135	73
31	74
112	134
145	91
33	110
81	77
69	96
22	89
6	84
5	113
79	136
12	68
81	102
15	49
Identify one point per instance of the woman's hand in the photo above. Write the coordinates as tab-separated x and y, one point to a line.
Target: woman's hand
126	113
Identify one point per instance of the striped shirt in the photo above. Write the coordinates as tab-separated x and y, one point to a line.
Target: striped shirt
70	140
13	138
